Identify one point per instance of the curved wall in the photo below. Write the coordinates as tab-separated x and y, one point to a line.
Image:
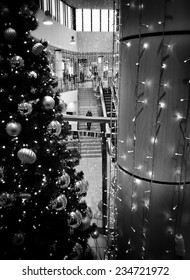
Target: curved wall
154	130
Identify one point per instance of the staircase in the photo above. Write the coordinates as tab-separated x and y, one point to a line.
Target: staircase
90	146
109	106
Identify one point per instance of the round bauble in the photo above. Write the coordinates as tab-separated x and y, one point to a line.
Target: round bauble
59	203
18	239
95	234
25	108
54	128
81	186
33	74
75	219
26	156
17	62
48	102
10	34
13	128
37	49
64	180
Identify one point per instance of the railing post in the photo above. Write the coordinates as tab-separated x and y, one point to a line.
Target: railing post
104	178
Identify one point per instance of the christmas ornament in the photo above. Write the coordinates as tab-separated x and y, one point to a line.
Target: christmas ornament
24	195
18	239
85	224
64	180
95	234
10	34
25	108
81	187
26	156
13	128
6	199
32	74
54	128
77	252
17	62
75	219
59	203
48	102
37	49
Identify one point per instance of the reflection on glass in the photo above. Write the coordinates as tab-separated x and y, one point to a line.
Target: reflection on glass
104	20
95	20
78	19
61	12
87	20
111	21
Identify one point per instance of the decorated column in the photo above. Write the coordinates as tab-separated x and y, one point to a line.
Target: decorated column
153	186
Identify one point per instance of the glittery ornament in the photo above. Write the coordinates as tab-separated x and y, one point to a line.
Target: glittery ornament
48	102
95	234
26	156
59	203
25	108
10	34
81	187
13	128
6	199
75	219
64	180
32	74
18	238
54	128
17	62
37	49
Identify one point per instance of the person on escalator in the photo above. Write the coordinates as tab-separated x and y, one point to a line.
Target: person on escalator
89	113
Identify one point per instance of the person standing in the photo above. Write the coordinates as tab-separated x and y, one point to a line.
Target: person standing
89	113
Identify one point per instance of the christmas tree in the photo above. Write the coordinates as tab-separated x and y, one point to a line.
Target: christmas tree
43	213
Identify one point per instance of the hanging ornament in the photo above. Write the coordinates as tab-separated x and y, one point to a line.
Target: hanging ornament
17	62
64	180
59	203
75	219
13	128
6	199
81	187
95	234
26	156
25	108
37	49
10	34
48	102
24	195
18	239
54	128
32	74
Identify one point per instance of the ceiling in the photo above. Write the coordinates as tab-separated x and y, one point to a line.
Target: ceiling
91	4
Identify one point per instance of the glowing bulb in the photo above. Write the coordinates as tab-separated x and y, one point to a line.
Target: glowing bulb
145	45
154	140
162	105
179	116
128	44
164	65
150	173
137	181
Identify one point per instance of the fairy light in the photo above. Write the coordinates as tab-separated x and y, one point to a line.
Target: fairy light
145	45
